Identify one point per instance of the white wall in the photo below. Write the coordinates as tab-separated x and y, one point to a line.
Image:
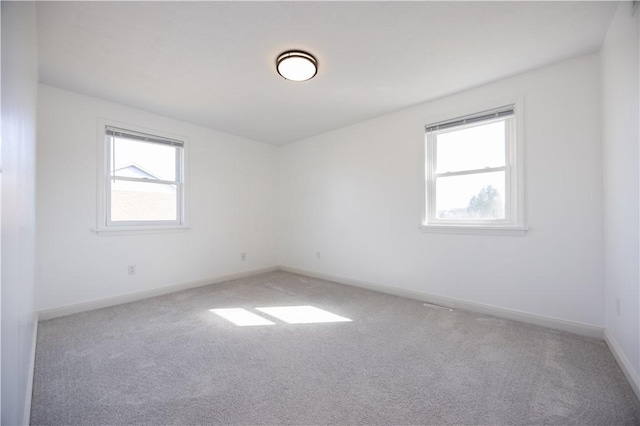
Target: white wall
231	183
621	99
355	195
19	91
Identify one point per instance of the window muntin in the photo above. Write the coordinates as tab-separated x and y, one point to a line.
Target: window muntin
470	170
143	180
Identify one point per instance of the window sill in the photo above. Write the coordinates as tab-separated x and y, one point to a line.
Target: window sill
139	230
509	231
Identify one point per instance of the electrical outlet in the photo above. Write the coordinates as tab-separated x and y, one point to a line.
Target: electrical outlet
243	256
131	269
317	255
618	306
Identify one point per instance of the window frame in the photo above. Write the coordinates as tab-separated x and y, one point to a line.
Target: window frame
105	226
513	223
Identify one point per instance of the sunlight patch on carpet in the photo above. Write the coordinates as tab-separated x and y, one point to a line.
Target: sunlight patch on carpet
241	317
302	314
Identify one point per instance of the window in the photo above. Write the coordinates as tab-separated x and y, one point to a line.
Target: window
472	174
142	183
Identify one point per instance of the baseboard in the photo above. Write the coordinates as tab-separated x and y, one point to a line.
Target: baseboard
47	314
526	317
623	362
26	416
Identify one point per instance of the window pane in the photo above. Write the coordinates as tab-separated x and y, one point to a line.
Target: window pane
134	201
476	196
144	160
471	149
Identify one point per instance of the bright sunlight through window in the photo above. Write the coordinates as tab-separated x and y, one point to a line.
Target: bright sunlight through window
302	314
143	179
288	314
472	172
241	317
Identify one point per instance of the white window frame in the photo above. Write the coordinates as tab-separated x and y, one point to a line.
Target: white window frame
104	224
513	223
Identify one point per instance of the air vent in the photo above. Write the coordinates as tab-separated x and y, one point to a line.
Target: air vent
431	305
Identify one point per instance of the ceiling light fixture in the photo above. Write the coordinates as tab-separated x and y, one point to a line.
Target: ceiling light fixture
296	65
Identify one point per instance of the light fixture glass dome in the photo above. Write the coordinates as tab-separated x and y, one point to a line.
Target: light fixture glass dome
296	65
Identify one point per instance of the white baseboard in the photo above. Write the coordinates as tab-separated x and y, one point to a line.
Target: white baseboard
145	294
545	321
26	416
526	317
623	362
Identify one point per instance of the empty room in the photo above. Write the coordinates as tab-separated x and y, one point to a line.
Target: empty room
315	213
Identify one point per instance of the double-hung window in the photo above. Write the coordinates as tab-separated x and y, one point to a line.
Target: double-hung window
143	180
472	174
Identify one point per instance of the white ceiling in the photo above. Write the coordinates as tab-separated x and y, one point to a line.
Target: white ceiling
213	63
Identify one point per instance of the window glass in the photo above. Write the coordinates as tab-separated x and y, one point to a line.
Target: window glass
473	196
476	147
142	201
143	159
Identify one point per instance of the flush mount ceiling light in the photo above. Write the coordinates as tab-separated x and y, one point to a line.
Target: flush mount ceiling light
296	65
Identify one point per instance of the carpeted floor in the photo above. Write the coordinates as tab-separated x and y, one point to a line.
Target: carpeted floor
170	360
